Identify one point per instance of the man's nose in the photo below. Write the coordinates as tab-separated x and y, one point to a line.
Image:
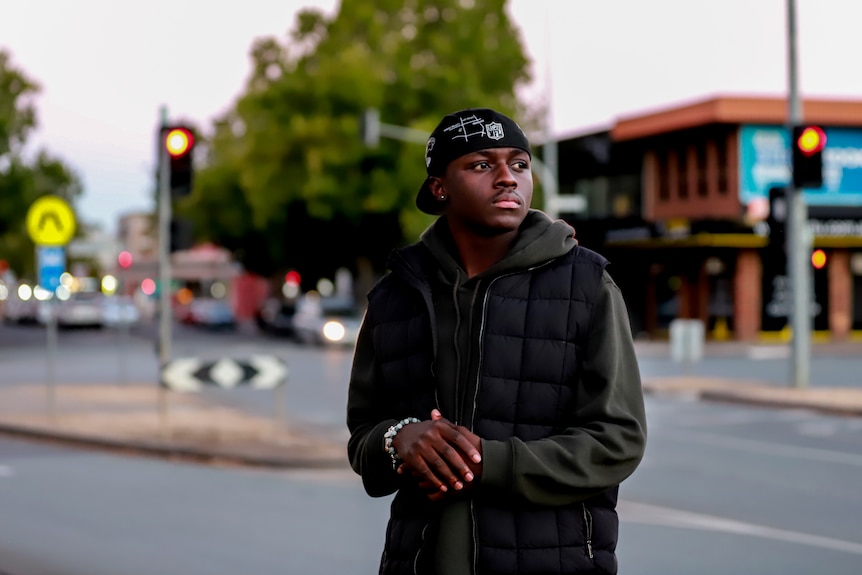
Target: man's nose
505	177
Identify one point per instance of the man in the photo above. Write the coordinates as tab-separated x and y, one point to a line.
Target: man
494	387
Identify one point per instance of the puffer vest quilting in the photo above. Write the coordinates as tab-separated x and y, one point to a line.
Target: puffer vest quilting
535	324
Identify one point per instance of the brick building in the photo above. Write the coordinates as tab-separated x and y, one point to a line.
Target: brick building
679	201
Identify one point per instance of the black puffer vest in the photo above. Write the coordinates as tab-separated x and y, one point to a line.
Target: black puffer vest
534	326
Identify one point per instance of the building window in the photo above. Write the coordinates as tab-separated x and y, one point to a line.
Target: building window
682	173
624	195
663	162
722	166
700	154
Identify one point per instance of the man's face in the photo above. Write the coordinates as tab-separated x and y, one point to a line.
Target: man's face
488	191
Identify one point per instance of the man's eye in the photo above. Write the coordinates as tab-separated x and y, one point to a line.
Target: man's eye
481	165
521	165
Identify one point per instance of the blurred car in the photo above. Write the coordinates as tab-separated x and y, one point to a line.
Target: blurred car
120	310
326	320
276	317
212	313
82	309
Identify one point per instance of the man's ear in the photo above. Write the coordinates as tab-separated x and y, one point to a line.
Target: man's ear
436	187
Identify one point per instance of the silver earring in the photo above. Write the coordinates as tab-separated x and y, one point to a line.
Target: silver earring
442	197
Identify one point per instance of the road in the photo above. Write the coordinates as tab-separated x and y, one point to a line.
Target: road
723	489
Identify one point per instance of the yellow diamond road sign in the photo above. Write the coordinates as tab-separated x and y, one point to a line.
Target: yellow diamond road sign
50	221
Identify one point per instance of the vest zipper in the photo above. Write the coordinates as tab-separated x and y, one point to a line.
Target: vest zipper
476	400
419	552
482	336
588	531
456	393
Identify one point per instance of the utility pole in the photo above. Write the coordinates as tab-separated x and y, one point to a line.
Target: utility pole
798	239
165	311
550	179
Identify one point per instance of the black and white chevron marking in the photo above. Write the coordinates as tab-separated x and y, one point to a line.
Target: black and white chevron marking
192	374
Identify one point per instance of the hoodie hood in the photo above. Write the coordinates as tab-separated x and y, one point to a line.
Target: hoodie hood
540	240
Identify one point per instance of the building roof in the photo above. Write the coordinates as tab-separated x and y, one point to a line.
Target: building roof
735	110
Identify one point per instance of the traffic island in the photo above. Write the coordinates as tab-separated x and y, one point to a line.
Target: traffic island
833	400
128	419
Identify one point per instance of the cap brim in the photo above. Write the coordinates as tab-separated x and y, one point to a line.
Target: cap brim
425	200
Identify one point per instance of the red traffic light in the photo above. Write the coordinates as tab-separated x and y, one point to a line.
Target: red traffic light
179	141
292	277
812	139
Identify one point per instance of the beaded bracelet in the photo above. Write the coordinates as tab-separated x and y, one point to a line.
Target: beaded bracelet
390	435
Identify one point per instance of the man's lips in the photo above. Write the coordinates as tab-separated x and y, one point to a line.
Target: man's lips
509	201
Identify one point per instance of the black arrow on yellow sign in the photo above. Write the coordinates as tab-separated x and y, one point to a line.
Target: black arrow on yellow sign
58	225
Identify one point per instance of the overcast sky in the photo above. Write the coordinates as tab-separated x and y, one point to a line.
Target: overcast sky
106	66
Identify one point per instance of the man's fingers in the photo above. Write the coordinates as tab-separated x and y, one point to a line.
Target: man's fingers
428	477
458	436
439	451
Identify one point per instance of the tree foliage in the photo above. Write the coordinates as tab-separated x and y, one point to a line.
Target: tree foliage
287	175
23	179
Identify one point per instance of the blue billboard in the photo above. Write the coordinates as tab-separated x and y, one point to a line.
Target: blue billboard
764	162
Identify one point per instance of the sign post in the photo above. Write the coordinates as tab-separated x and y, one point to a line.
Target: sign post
51	224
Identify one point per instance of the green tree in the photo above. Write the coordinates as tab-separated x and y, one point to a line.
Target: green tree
23	179
287	177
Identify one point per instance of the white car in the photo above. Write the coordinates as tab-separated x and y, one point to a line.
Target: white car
327	321
82	309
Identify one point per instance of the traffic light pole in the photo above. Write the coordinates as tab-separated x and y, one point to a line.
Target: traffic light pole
798	239
165	311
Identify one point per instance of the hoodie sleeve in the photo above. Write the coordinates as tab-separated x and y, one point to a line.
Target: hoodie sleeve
366	421
606	444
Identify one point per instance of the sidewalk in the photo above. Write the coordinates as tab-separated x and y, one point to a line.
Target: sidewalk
137	419
836	400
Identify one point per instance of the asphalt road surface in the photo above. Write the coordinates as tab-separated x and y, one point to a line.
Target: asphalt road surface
723	489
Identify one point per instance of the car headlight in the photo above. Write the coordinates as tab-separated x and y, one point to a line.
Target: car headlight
334	331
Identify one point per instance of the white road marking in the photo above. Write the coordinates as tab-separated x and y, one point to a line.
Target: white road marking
769	352
668	517
818	428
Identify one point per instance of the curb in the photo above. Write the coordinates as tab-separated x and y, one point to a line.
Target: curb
782	403
832	400
176	452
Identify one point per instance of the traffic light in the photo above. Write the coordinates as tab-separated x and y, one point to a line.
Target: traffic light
818	259
808	143
179	142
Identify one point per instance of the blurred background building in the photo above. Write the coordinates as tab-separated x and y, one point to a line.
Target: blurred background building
687	204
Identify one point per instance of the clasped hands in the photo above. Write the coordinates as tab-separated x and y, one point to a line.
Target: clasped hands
443	457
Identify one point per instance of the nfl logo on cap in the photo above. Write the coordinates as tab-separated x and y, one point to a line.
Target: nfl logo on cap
494	130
